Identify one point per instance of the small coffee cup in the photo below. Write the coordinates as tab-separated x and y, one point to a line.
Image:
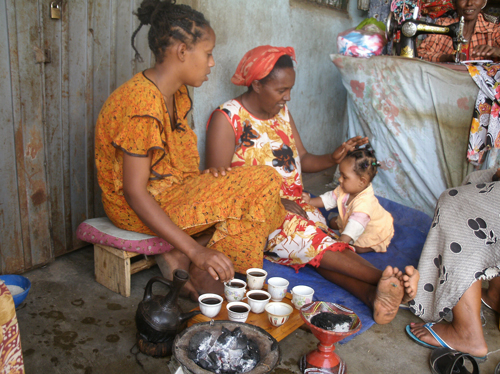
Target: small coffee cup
210	304
301	295
277	287
256	278
234	290
237	311
258	300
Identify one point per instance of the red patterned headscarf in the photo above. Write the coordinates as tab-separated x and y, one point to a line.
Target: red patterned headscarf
258	63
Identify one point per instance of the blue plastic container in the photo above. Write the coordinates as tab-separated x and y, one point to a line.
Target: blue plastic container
17	280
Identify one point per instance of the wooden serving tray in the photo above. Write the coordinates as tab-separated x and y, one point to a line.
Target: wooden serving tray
279	333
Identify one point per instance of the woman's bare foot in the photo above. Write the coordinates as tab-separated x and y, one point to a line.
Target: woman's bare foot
169	262
465	339
410	282
388	296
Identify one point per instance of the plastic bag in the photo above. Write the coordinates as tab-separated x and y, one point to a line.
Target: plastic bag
366	40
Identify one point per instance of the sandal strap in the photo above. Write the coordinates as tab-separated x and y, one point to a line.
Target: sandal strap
463	356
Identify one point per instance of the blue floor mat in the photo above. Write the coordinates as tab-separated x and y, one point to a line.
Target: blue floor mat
411	227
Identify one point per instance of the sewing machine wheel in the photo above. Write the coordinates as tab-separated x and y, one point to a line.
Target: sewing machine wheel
390	27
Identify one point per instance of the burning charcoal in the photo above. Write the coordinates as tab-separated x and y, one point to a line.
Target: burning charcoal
222	339
199	343
332	321
232	352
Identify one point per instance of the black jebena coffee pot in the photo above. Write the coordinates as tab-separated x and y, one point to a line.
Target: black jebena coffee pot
159	318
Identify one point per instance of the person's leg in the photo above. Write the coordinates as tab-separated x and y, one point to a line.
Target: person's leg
352	265
383	298
465	332
491	295
170	261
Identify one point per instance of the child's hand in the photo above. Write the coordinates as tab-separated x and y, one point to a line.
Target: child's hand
306	197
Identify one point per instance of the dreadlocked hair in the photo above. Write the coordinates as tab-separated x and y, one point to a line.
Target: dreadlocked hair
365	162
168	21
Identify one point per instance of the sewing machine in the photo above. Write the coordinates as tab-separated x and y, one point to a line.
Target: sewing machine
404	35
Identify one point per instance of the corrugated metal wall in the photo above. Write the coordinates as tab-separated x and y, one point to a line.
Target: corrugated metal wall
55	76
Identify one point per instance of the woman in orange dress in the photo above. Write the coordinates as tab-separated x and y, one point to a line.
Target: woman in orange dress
256	128
148	163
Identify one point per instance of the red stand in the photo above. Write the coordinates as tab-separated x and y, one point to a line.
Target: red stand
324	359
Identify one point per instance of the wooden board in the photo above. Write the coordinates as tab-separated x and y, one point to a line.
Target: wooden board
279	333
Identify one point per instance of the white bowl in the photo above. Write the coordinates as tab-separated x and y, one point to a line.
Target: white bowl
278	313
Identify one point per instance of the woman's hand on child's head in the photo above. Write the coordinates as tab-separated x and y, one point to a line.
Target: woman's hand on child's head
293	207
218	265
350	145
216	170
306	197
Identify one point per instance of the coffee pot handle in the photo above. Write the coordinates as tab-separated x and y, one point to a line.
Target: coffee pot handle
149	286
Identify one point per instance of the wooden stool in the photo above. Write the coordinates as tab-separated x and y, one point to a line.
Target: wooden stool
113	267
113	250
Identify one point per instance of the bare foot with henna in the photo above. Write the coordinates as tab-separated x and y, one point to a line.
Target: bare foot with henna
410	282
388	296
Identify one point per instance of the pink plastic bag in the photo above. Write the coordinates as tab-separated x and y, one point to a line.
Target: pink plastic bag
365	42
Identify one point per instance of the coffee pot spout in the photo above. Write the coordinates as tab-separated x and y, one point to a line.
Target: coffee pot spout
185	316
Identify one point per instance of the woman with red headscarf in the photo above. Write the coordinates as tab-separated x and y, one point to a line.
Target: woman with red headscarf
256	128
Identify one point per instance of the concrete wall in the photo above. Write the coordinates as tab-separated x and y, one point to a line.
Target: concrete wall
318	97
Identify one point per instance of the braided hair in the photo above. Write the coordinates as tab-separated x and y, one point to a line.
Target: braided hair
365	162
168	21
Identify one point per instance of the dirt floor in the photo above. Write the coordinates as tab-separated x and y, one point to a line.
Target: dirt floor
71	324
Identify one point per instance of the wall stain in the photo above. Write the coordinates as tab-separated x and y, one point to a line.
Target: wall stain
39	197
114	306
55	361
125	322
78	302
65	340
112	338
28	352
95	350
109	324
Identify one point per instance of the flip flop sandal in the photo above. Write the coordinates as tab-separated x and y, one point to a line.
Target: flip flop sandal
497	369
449	361
443	344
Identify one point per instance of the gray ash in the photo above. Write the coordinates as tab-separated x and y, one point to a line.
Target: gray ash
332	321
229	353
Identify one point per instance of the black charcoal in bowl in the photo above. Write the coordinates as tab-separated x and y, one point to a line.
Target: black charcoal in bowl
224	353
332	321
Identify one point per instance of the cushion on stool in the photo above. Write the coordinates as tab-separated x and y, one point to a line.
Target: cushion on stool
103	231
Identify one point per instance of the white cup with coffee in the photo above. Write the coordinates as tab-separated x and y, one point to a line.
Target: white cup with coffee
237	311
210	304
234	290
256	278
258	299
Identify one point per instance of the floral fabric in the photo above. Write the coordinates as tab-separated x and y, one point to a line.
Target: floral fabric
11	354
243	206
417	116
485	127
297	241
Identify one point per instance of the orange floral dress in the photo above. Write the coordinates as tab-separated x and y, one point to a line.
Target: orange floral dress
243	207
11	354
298	241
